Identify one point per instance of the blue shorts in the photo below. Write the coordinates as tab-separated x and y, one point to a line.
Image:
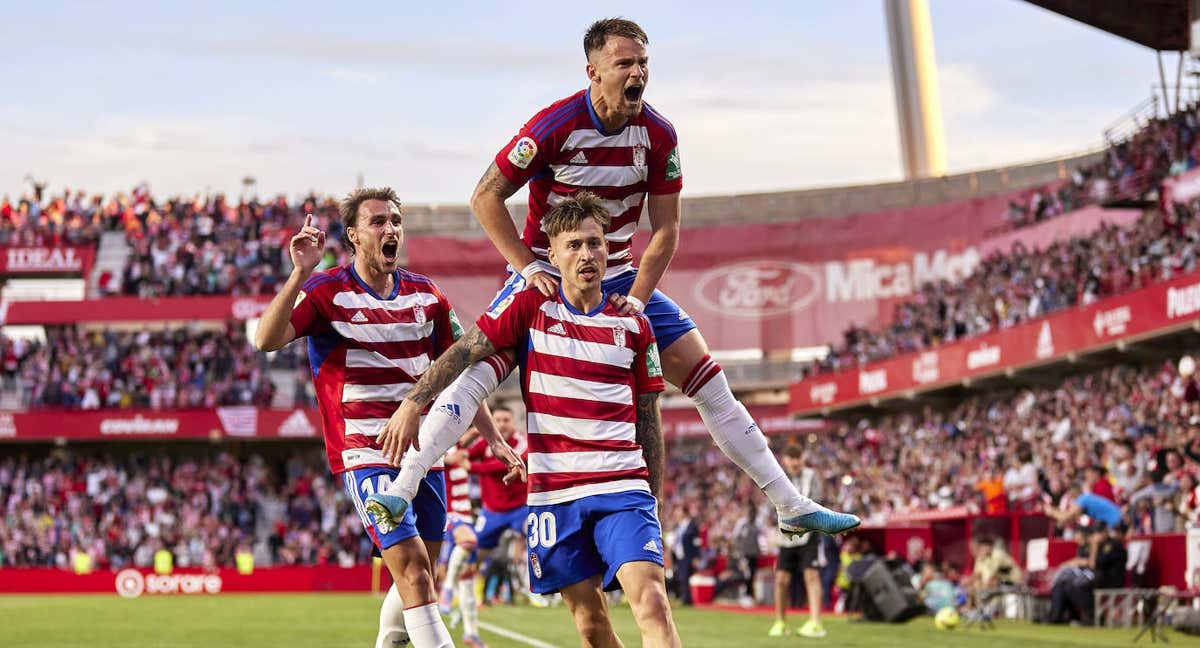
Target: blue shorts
669	321
426	517
448	540
574	541
491	525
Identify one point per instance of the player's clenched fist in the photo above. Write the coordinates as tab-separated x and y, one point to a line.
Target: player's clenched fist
307	246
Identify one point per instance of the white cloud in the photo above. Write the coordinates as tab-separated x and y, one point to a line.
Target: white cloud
359	76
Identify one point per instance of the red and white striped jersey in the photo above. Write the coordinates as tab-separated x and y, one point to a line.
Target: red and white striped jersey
458	494
581	374
565	148
366	352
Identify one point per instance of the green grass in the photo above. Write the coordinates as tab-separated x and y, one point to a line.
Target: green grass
349	620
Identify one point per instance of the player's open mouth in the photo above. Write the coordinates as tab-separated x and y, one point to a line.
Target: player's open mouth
588	272
634	93
390	251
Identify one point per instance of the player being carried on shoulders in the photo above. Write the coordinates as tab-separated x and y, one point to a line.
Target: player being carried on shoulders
604	139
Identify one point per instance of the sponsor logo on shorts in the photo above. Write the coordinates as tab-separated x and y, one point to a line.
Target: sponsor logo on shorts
535	565
523	152
652	545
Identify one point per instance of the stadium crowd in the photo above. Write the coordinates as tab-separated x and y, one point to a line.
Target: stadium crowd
1023	284
203	508
84	369
1007	288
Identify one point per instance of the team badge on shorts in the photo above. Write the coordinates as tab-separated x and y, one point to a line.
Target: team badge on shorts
619	336
535	565
419	314
523	152
639	156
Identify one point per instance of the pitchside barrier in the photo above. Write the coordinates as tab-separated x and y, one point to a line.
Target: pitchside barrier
133	583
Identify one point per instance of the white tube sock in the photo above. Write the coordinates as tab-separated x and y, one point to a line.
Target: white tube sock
448	419
468	606
391	621
739	437
425	627
454	566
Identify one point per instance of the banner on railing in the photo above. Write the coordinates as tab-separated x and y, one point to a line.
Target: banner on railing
1157	309
135	583
249	422
1183	188
42	260
215	423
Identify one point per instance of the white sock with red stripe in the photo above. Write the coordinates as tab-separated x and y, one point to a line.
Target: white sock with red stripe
448	419
425	627
469	606
391	621
739	437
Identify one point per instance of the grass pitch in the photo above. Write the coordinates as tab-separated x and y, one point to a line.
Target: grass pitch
349	620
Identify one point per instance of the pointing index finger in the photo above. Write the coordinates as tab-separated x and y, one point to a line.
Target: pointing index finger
307	220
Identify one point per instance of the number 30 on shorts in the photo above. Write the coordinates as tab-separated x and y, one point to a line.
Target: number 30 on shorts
542	529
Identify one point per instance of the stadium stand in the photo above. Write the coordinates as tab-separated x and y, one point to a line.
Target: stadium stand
1129	431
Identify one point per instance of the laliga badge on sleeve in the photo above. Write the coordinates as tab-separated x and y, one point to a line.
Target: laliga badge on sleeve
523	152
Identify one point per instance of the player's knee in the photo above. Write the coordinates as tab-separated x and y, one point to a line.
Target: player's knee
468	545
418	577
652	605
594	627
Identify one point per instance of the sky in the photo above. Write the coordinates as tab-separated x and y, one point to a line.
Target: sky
307	96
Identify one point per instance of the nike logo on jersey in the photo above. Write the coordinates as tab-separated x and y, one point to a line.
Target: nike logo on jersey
557	328
579	158
358	318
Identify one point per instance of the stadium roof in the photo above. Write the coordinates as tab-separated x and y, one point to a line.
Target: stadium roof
1158	24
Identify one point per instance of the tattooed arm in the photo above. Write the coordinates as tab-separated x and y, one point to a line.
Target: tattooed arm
403	427
469	349
648	433
487	203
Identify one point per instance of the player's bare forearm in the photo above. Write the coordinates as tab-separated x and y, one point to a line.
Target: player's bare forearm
648	434
274	326
469	349
664	239
487	203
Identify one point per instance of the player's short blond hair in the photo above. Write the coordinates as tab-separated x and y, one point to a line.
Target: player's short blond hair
597	34
567	215
350	205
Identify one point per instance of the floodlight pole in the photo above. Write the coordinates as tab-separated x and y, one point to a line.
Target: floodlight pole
914	75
